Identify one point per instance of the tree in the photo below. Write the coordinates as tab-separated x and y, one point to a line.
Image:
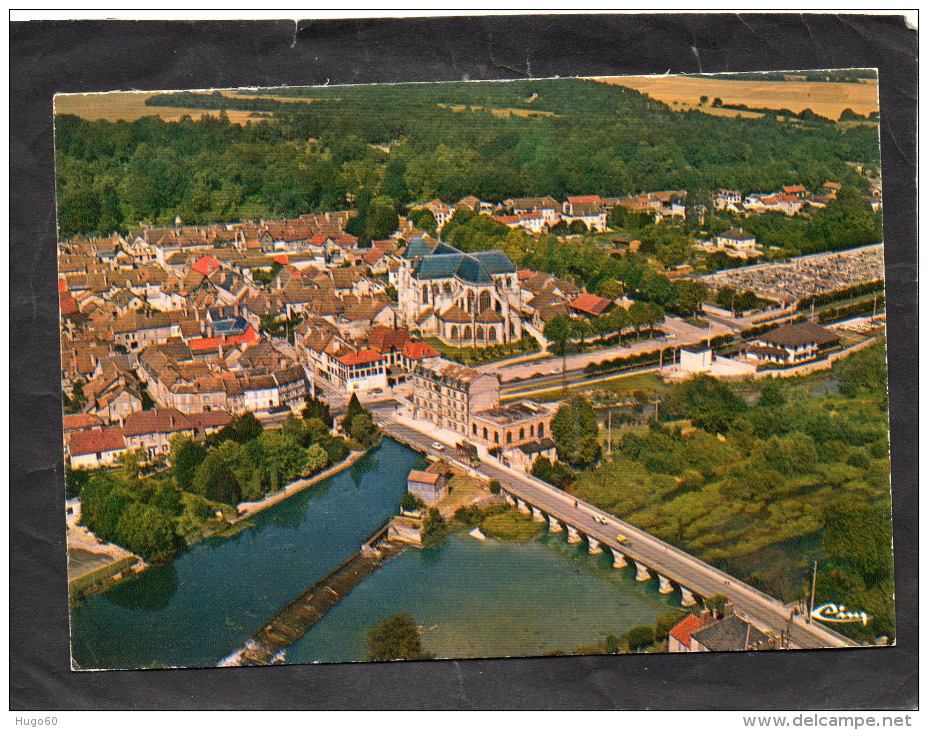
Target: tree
495	486
410	502
146	531
363	429
423	218
317	408
559	329
315	430
216	481
716	102
703	100
316	459
575	430
434	528
354	408
396	637
186	456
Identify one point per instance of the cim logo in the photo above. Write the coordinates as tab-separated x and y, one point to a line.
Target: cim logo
839	614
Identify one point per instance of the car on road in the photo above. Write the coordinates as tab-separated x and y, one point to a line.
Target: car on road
621	539
438	446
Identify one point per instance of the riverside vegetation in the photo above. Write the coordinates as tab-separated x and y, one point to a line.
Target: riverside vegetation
156	514
758	489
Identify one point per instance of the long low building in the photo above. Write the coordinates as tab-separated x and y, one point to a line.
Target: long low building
792	343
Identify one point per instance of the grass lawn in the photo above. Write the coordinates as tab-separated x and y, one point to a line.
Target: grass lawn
477	356
510	525
619	384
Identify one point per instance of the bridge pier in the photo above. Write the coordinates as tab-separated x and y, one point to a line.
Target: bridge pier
523	507
537	515
688	599
642	573
554	525
509	499
618	560
572	535
665	586
595	548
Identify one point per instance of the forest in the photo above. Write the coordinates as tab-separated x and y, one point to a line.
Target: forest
331	147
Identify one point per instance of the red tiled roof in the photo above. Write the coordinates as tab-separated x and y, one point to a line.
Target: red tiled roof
206	265
590	304
280	258
793	189
584	199
75	421
96	441
423	477
204	344
682	631
419	351
210	419
362	357
157	420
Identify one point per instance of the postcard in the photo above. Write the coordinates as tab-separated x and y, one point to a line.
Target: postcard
474	369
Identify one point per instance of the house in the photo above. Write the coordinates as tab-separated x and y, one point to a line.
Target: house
524	455
590	305
731	633
511	425
447	394
797	190
531	222
358	371
428	486
585	208
736	240
547	206
96	447
678	638
441	212
80	422
152	431
792	343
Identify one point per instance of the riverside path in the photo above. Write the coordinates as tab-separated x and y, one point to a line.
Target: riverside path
647	551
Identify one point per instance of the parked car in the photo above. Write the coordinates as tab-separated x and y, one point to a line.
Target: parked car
438	446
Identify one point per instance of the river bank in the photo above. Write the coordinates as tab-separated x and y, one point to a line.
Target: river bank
107	574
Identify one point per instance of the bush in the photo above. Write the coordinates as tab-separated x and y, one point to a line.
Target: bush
495	486
396	637
638	637
410	502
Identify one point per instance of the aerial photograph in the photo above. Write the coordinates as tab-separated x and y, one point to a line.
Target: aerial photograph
470	369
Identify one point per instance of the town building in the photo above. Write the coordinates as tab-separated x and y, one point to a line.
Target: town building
448	394
463	299
792	343
431	487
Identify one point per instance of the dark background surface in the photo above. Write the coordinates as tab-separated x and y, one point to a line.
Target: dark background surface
56	56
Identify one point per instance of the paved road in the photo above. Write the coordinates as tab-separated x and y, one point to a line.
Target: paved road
660	557
680	333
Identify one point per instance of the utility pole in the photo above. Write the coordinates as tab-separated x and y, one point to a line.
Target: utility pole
812	597
609	434
657	402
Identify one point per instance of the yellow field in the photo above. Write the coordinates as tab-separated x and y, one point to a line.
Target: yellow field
828	99
129	106
502	112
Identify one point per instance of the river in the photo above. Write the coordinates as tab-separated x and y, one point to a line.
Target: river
473	598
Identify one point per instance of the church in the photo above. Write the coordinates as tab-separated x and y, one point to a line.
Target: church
463	299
